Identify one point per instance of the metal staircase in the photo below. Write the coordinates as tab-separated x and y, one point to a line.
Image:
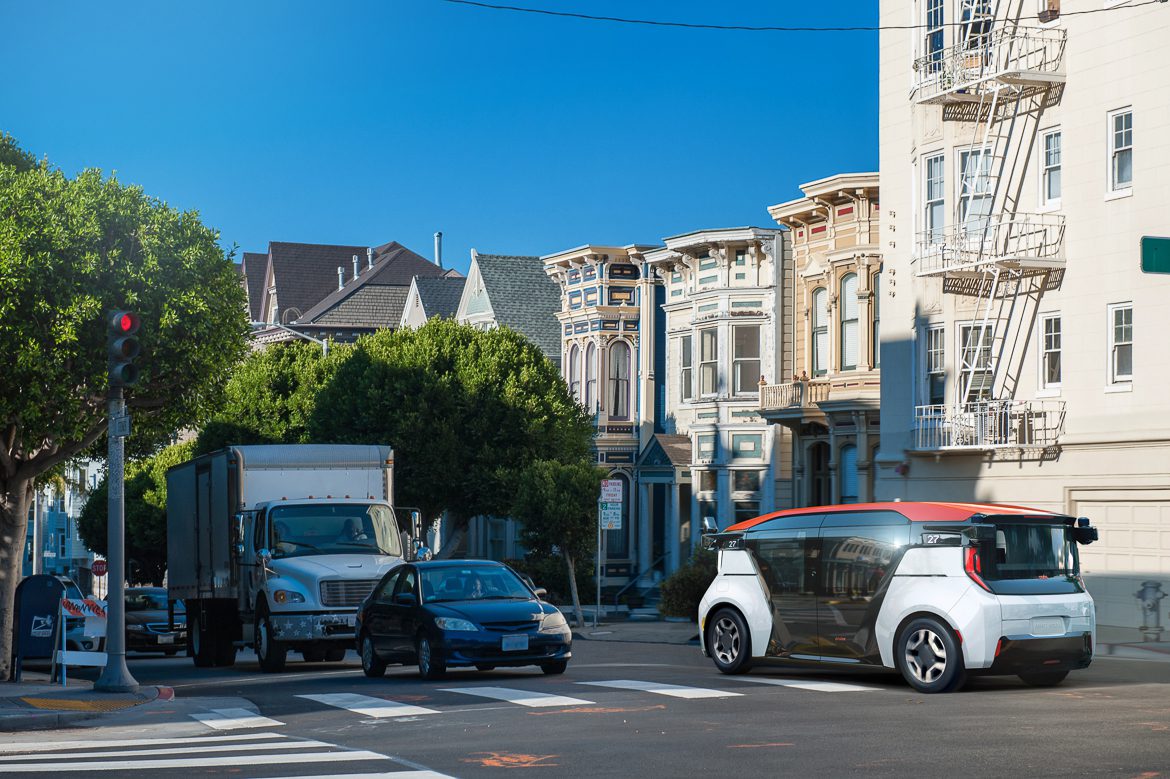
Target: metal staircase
999	76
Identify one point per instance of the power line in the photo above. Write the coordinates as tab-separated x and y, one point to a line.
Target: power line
755	28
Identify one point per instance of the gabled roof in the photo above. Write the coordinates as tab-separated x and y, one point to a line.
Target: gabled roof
440	296
374	299
253	266
666	450
304	273
523	298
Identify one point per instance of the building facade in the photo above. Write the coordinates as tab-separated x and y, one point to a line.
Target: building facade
1023	162
828	395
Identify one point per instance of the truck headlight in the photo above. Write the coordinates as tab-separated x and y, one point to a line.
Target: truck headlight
553	623
287	596
454	623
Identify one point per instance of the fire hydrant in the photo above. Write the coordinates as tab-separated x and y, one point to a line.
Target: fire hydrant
1149	597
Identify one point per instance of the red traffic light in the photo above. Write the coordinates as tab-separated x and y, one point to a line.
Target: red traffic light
124	323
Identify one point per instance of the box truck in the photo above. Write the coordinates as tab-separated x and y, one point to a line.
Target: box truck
276	546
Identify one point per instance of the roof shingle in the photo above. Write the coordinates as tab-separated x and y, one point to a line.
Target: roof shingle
523	298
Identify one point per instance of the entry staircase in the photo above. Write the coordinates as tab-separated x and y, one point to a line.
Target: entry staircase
999	77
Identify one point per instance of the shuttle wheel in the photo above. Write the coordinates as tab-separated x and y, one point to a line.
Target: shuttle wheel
929	656
729	643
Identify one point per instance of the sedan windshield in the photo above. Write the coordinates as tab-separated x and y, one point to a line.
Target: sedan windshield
471	582
333	528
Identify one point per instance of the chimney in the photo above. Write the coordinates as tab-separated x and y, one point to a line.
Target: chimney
356	267
340	277
370	257
439	249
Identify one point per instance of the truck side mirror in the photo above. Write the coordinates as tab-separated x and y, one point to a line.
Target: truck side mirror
264	556
709	525
238	527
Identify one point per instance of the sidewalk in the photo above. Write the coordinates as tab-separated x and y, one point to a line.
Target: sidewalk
657	632
36	704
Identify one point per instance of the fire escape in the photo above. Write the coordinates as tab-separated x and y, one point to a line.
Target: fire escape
998	77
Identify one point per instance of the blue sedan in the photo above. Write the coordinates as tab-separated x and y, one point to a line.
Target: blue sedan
444	614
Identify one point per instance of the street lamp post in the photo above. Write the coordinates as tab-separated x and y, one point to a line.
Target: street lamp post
324	344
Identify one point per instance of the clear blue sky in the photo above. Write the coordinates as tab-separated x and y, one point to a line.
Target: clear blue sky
364	122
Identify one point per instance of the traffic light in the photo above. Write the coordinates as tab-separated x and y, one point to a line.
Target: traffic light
122	347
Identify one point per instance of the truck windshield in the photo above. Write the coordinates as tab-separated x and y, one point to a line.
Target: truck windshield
1030	558
333	528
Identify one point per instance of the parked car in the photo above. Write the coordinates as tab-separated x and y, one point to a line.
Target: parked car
148	627
444	614
76	637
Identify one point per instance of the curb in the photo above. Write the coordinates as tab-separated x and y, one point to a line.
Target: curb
48	720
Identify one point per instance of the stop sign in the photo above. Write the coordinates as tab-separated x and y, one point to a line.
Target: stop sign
99	568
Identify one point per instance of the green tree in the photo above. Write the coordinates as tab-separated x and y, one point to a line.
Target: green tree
463	409
71	250
557	504
146	513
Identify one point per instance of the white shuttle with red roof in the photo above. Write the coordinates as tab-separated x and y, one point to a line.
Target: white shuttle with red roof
938	591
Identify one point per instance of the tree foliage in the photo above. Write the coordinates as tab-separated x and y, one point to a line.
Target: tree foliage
464	410
146	514
71	250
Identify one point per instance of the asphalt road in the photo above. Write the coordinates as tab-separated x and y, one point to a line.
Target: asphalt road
616	715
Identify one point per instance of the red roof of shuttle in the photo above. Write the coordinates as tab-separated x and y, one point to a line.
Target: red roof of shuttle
915	512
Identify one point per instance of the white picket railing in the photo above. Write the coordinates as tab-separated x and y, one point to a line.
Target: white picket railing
794	394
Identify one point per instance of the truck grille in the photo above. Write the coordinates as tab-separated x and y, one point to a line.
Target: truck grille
346	593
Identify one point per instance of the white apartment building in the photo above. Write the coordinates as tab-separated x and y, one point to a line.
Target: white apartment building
724	329
1024	156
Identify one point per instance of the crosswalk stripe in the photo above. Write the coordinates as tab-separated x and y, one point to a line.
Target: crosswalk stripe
410	774
67	765
521	697
233	719
673	690
57	746
814	686
202	748
369	706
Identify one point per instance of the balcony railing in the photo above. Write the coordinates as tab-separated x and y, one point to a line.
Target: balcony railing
794	394
1025	240
994	424
1016	55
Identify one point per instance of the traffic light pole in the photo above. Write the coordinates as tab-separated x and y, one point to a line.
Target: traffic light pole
116	676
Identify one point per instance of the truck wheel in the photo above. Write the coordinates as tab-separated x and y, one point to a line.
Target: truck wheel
269	651
728	642
201	637
334	654
929	657
313	654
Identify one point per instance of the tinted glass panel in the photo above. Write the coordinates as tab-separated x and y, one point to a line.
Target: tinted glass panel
856	518
1027	551
795	521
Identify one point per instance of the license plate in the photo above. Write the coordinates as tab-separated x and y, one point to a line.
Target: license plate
166	639
1048	626
514	643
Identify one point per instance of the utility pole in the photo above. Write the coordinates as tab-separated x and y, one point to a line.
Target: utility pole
122	347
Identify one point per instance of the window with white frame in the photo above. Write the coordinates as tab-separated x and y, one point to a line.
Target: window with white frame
1050	169
575	372
1121	149
746	358
975	365
1050	333
686	364
933	216
849	334
591	379
747	446
976	17
619	380
1121	343
933	35
975	192
708	361
820	331
875	343
936	352
707	446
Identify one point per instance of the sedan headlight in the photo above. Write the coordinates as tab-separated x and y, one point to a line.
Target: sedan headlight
136	628
454	623
553	623
288	596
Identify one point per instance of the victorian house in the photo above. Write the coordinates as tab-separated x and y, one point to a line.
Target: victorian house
829	399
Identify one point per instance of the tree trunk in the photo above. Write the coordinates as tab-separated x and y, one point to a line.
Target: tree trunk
573	590
14	502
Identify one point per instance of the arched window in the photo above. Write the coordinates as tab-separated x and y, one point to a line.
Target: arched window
619	380
591	378
849	335
575	373
847	468
820	331
876	336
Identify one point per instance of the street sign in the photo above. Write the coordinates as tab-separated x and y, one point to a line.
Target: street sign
1155	254
120	426
611	516
99	567
611	491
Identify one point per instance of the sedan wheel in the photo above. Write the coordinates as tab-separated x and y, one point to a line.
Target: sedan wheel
429	666
371	665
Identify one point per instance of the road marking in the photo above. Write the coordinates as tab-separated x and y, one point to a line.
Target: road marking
814	686
67	765
368	705
673	690
57	746
521	697
386	775
233	719
237	747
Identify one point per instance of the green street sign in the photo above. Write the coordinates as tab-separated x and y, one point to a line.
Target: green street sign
1155	254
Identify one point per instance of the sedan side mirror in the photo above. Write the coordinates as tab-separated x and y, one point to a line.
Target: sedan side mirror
405	599
541	592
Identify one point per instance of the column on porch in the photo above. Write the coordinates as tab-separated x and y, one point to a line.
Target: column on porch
645	527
